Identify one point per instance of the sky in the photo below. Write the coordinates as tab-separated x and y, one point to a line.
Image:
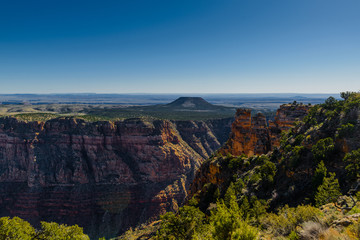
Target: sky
179	46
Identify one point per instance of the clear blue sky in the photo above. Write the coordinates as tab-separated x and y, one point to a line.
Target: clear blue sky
185	46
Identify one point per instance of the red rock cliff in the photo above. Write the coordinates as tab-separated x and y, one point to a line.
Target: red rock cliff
104	176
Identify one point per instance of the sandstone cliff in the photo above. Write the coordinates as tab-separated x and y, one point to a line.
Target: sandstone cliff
285	118
104	176
253	135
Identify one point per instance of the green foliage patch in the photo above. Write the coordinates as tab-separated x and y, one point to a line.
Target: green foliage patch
328	191
18	229
352	160
15	228
287	219
323	148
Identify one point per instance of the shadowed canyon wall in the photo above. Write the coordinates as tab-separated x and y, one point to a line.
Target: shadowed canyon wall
103	176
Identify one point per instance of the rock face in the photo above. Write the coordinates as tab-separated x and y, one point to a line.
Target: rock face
253	135
103	176
205	137
250	135
285	118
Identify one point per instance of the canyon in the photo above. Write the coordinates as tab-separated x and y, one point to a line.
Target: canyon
107	176
104	176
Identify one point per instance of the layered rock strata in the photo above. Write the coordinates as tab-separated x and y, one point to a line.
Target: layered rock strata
104	176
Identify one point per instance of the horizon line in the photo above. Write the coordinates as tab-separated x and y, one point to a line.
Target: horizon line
149	93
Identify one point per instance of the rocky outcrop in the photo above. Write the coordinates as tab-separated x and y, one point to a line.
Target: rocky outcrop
346	221
104	176
285	118
250	135
253	135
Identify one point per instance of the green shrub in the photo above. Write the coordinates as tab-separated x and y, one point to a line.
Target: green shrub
352	103
267	172
255	178
193	201
245	232
355	229
216	195
288	148
236	162
353	164
293	236
15	228
284	138
258	209
224	221
298	139
323	148
346	95
54	231
186	224
239	185
330	103
311	118
295	156
354	210
227	223
328	191
259	160
345	130
244	206
319	175
230	195
287	219
357	195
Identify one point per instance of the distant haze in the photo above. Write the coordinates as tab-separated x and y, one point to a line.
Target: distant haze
237	100
179	46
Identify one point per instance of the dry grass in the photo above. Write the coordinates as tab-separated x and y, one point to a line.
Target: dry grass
311	230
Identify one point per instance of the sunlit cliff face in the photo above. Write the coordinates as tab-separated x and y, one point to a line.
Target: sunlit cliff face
253	135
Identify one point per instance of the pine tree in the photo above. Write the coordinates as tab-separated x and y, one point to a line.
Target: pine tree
230	196
319	175
328	191
353	164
